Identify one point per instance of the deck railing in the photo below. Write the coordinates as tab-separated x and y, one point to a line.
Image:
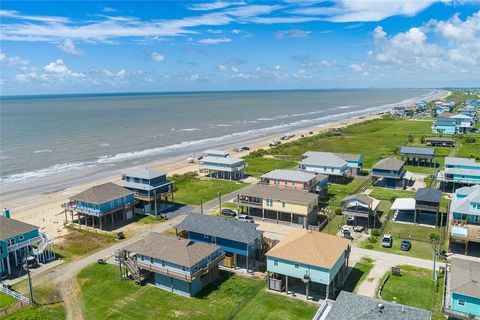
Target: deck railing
14	294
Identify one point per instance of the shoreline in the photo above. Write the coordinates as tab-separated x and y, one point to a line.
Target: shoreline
40	205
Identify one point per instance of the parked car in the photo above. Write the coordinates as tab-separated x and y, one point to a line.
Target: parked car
244	217
32	262
346	232
274	143
240	149
387	241
228	212
101	261
405	245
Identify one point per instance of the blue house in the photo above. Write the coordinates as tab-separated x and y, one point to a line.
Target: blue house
241	241
317	260
390	173
465	216
17	240
152	190
101	203
445	125
177	265
463	290
459	172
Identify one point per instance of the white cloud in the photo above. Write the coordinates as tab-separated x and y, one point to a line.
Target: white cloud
214	40
17	15
109	9
215	5
69	47
292	33
356	67
157	57
13	62
58	67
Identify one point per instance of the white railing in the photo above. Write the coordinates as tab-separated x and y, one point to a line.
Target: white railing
322	312
14	294
20	245
46	241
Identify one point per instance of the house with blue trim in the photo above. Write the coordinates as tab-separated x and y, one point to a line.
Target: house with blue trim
19	240
102	205
306	259
241	241
390	173
445	125
220	165
464	123
180	266
465	216
459	172
152	190
462	299
338	166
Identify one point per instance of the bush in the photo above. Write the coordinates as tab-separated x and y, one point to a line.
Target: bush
369	246
422	139
338	211
258	153
470	140
372	239
375	232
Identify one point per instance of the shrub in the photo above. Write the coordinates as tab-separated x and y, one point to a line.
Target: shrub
375	232
422	139
369	246
338	211
470	140
372	239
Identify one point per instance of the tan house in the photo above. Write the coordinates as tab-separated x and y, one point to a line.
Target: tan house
296	179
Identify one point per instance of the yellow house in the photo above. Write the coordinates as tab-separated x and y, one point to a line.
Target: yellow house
281	205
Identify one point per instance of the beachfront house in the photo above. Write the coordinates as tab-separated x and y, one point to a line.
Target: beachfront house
308	263
390	173
296	179
241	241
418	156
220	165
440	142
462	299
361	207
18	241
102	205
354	306
421	106
177	265
152	190
459	172
280	205
445	125
465	216
338	166
464	123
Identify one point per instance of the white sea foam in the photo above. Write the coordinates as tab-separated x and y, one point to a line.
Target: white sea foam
43	151
190	129
104	144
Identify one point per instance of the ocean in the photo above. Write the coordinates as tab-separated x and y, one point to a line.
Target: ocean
47	136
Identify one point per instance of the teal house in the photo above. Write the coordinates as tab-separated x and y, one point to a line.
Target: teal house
315	261
463	290
17	240
444	125
180	266
459	172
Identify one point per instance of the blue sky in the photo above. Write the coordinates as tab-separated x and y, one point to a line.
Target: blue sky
120	46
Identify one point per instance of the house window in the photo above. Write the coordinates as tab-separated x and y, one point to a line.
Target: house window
205	236
275	262
462	303
283	204
163	263
297	266
184	268
21	237
11	242
214	240
151	260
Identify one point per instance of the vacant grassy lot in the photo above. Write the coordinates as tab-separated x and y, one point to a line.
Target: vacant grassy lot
336	192
415	287
77	243
257	166
51	312
6	301
468	149
128	301
358	274
192	189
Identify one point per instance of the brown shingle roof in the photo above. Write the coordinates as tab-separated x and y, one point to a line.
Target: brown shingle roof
280	194
312	248
11	227
178	251
349	156
389	164
102	193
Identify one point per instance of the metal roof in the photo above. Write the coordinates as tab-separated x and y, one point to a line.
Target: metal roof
102	193
143	173
10	227
222	160
407	204
463	205
220	227
178	251
418	150
429	195
280	194
290	175
457	161
464	277
438	139
216	153
353	306
325	159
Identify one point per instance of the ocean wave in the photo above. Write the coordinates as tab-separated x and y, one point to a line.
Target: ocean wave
189	129
43	151
104	144
223	125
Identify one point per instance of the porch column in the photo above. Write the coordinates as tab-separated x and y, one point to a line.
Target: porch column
291	217
101	218
8	264
16	259
436	218
235	261
111	215
248	257
277	216
93	222
328	290
415	217
65	212
286	284
306	289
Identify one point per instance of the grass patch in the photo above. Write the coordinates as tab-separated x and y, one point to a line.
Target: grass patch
147	219
51	312
6	301
258	166
358	274
128	301
192	190
77	243
415	287
334	225
390	194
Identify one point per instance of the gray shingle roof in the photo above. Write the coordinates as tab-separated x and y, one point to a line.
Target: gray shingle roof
326	159
389	164
457	161
437	139
463	205
429	195
179	251
360	197
280	194
11	227
143	173
289	175
222	160
465	277
418	150
356	307
102	193
220	227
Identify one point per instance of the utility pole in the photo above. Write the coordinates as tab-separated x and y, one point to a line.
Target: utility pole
30	286
219	201
201	206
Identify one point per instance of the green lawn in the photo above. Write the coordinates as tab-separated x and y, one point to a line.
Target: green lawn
469	150
258	166
358	274
128	301
192	190
50	312
390	194
334	225
415	287
147	219
336	192
6	301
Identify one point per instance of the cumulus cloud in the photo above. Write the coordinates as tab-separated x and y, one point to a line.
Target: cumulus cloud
292	33
13	62
157	57
58	67
215	5
69	47
356	67
214	40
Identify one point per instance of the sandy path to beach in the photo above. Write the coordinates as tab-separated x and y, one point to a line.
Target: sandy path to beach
44	209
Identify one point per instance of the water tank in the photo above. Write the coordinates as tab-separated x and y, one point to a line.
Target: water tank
6	213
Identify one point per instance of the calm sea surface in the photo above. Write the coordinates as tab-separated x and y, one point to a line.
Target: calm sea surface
46	136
